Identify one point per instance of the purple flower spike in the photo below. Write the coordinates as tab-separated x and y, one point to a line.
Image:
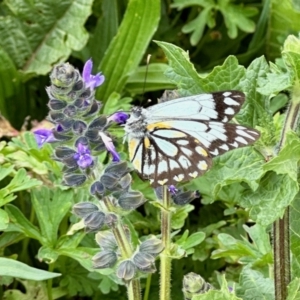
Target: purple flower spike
83	156
91	81
43	136
110	146
119	117
172	189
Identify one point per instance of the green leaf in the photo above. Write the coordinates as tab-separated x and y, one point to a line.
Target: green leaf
256	106
128	46
37	35
253	285
10	267
237	16
294	290
270	200
19	223
295	235
284	20
291	56
240	165
155	80
193	240
106	28
181	213
51	206
4	219
183	74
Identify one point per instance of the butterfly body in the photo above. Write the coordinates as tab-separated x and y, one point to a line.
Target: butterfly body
175	141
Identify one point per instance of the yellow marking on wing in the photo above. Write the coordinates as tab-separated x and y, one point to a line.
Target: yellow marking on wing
146	142
196	141
178	177
201	151
137	165
202	165
132	147
159	125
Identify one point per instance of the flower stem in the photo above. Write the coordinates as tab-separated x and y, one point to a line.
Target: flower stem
133	288
49	283
165	260
281	231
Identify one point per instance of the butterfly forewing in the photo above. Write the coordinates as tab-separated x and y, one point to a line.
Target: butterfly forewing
219	106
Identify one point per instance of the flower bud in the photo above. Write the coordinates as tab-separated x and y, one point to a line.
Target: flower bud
83	209
104	259
70	111
144	262
182	198
111	220
152	246
106	240
126	270
55	104
95	220
117	168
97	189
109	180
131	200
194	284
64	152
99	122
74	179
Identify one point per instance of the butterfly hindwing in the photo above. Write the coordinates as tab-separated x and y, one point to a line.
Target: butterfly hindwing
169	160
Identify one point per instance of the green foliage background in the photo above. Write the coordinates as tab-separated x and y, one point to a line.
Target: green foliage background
197	46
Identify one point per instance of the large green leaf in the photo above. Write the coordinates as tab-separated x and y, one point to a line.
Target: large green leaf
284	20
38	34
13	268
128	46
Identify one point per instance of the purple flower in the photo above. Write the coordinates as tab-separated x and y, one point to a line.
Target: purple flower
83	156
110	146
43	136
172	189
119	117
91	81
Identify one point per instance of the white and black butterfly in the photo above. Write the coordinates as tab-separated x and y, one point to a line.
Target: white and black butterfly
175	141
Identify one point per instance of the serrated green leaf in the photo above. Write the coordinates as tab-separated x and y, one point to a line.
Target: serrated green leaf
51	206
270	200
291	56
127	48
253	285
183	74
294	290
53	32
240	165
10	267
256	106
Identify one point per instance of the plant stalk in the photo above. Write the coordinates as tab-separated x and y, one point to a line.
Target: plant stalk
281	246
165	260
133	288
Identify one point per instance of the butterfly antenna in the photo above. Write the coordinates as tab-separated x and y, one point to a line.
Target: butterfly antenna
146	73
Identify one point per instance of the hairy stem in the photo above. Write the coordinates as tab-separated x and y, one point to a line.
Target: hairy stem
281	231
165	260
133	288
49	283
